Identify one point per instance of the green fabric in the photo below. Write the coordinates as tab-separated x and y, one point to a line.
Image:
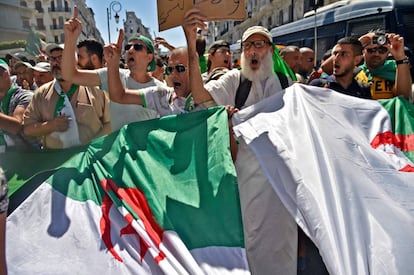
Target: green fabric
6	100
182	164
387	71
61	101
203	63
401	113
33	44
279	65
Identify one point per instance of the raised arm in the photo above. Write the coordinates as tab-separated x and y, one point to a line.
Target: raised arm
193	19
116	90
403	81
72	29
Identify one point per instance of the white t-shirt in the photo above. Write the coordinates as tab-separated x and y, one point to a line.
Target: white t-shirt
122	114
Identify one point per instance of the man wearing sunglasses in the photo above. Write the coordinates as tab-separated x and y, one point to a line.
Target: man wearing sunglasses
270	233
139	56
387	78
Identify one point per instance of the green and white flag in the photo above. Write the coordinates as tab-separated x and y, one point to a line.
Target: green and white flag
156	197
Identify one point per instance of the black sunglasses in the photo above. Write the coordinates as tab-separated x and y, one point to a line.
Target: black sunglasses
180	68
137	47
380	50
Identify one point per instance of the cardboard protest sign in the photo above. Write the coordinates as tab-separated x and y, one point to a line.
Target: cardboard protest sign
171	12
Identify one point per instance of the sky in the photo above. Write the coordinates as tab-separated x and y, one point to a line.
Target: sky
146	10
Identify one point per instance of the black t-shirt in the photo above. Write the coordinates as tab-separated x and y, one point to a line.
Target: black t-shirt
355	89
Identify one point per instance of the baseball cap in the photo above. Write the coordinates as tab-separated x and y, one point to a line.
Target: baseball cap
21	63
150	46
4	65
53	46
257	30
218	44
42	67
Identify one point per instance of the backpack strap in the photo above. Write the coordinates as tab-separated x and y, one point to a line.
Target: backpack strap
284	82
242	91
244	88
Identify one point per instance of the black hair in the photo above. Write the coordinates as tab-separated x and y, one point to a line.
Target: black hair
93	47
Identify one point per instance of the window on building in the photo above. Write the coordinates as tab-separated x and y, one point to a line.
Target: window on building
269	22
52	5
40	24
67	6
23	3
56	39
38	6
26	23
281	17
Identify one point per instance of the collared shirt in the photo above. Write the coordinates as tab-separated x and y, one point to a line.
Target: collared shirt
355	89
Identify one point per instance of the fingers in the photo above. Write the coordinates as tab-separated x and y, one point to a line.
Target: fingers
75	12
195	19
120	39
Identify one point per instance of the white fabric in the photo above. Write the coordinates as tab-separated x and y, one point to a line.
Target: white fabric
70	137
52	234
261	223
122	114
349	198
223	90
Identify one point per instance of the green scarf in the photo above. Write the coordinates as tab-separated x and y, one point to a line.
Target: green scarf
203	63
6	100
61	101
386	71
279	65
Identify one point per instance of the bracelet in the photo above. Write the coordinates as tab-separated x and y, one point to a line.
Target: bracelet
405	60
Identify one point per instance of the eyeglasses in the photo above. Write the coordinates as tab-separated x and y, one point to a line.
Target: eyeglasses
380	50
180	68
137	47
223	50
257	44
55	58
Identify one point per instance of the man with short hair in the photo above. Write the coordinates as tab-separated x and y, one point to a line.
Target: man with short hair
387	78
139	56
347	54
218	62
291	55
270	232
24	73
13	103
63	114
42	73
307	63
90	54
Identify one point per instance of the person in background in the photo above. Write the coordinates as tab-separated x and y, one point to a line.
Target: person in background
4	203
62	114
13	103
159	71
42	73
291	55
271	245
219	60
346	54
307	64
24	73
139	56
90	54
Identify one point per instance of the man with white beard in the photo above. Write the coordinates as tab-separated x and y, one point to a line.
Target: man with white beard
270	232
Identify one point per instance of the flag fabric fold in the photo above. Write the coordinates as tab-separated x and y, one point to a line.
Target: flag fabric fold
350	198
156	197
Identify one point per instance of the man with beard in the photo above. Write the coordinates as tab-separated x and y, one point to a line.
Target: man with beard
63	114
165	100
346	54
270	233
218	63
90	54
139	55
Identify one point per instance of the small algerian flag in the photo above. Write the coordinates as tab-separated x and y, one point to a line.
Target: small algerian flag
156	197
33	43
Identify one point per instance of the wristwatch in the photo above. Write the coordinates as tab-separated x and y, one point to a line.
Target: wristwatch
405	60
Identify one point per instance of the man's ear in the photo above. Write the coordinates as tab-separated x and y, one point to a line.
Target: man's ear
358	59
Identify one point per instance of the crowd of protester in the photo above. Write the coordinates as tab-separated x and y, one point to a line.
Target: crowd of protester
80	91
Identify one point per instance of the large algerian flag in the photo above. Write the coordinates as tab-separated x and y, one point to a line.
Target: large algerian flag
156	197
338	165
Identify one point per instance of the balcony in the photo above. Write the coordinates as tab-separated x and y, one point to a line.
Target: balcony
61	9
41	28
56	27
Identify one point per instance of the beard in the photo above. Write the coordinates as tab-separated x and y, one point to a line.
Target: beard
56	72
88	66
265	70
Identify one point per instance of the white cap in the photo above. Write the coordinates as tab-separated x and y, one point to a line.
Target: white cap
257	30
42	67
21	63
53	46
